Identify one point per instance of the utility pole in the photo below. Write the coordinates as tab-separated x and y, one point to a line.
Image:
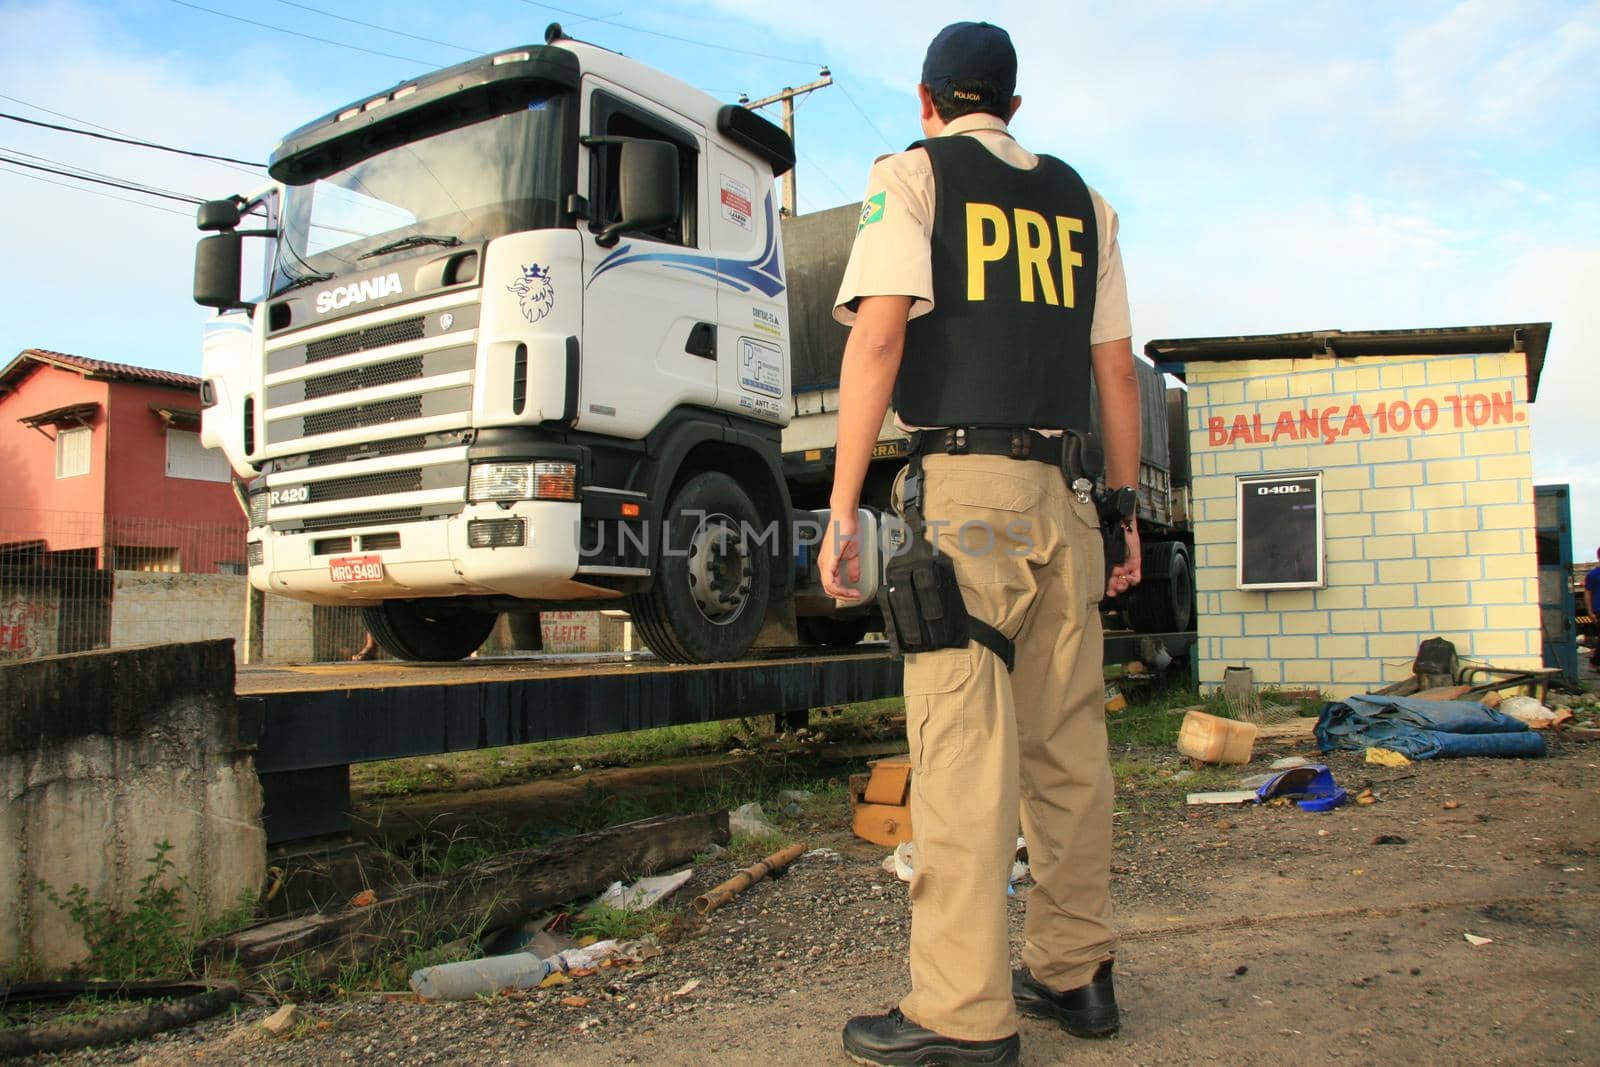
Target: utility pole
824	79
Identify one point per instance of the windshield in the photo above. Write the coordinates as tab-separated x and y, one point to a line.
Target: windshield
463	185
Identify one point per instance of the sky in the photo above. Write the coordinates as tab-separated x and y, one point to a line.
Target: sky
1276	167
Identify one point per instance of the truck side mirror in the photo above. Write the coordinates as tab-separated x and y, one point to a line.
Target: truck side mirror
647	182
218	215
217	268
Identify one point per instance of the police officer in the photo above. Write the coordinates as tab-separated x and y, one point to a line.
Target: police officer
984	288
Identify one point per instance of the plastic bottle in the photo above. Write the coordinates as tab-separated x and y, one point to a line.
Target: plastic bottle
471	978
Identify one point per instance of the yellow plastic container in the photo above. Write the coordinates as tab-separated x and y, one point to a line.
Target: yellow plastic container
1213	740
1115	701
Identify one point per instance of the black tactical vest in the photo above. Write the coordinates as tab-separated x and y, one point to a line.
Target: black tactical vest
1007	341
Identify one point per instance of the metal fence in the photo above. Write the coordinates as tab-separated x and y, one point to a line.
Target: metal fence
72	581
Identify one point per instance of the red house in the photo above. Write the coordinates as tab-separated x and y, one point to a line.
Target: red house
104	470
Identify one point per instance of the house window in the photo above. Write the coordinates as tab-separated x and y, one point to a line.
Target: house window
188	458
72	451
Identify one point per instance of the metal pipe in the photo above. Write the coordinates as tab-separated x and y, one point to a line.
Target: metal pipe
708	902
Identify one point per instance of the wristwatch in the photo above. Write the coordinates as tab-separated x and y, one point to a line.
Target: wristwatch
1124	501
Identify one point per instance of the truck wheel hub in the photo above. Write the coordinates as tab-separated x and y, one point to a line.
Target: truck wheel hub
719	569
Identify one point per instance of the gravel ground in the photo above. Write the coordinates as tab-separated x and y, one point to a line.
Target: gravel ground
1252	935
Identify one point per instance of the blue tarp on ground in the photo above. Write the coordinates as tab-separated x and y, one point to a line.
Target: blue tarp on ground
1423	729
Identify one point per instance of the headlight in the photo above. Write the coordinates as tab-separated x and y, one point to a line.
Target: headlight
258	507
541	480
255	554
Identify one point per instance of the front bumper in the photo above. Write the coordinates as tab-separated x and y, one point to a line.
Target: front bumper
434	559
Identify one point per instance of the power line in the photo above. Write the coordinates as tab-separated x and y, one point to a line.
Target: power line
102	181
382	29
862	112
98	126
297	33
57	114
144	186
671	37
825	175
94	192
130	140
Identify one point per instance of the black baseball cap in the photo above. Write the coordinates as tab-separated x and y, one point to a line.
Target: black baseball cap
972	52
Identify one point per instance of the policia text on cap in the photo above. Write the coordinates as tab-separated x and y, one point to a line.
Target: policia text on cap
984	288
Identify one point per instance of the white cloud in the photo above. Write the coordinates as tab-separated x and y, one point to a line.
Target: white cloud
1290	267
1558	284
1498	65
102	278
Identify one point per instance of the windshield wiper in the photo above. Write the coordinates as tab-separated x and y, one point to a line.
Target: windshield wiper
415	240
302	281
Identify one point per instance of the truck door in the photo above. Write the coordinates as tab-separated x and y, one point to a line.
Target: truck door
645	349
752	309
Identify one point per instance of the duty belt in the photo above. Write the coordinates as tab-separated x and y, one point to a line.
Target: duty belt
1078	455
1018	443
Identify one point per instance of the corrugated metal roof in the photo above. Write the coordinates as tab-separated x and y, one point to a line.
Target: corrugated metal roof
95	368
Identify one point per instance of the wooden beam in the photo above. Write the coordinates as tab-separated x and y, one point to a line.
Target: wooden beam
492	893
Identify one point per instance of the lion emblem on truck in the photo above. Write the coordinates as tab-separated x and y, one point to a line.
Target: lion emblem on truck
535	292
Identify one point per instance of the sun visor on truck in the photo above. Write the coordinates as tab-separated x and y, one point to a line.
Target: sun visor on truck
748	130
446	99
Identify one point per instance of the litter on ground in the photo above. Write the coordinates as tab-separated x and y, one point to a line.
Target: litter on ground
644	893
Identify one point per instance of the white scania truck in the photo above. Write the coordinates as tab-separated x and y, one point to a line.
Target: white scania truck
524	342
523	345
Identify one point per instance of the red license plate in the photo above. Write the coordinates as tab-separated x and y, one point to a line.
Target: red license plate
356	569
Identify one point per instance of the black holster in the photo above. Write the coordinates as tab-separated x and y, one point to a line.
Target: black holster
923	609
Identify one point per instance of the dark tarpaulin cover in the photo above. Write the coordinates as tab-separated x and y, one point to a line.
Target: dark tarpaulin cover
1423	729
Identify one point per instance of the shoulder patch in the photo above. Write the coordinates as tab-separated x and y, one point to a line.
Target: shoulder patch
872	209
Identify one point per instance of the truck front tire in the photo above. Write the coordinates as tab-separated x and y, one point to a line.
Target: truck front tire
713	577
429	630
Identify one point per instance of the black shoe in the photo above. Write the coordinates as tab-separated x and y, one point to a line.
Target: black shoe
1088	1011
892	1039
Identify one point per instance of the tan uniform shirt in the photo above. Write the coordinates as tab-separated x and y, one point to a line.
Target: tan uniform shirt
892	252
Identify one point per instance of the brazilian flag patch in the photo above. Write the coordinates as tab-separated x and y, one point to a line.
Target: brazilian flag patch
872	210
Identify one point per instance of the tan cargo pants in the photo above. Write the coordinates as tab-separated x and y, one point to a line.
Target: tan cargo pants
1030	561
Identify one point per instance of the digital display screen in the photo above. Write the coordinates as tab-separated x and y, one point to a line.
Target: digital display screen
1280	532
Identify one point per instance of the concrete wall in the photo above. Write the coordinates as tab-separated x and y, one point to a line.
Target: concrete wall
1428	501
148	609
28	620
103	754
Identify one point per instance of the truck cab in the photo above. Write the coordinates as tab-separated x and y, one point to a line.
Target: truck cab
524	345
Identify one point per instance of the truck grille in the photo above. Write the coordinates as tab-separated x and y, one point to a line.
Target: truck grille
406	481
344	344
435	386
405	407
396	370
363	518
394	446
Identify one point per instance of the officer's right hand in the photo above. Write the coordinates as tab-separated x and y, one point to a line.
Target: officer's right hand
1127	574
841	545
